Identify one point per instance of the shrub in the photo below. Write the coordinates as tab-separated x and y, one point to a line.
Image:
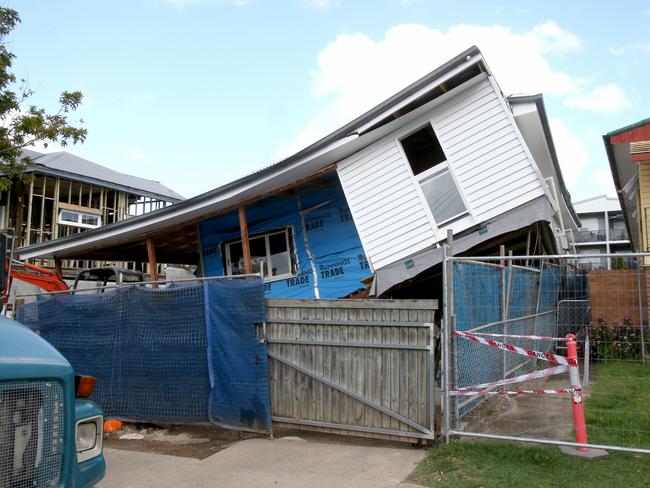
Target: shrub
615	341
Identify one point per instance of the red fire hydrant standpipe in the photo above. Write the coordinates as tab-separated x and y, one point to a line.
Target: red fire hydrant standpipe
577	404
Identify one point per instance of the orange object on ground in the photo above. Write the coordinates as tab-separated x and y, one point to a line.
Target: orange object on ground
577	401
112	425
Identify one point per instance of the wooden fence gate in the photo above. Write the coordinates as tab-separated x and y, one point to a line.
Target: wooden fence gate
354	367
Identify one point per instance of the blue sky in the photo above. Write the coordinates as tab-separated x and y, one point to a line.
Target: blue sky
195	93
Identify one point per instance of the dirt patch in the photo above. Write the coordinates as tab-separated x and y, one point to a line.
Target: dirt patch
542	416
195	441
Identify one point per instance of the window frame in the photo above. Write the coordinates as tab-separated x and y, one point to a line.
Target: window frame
432	172
80	215
288	232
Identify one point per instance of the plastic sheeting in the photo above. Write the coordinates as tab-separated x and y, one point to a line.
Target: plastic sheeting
237	360
148	349
337	265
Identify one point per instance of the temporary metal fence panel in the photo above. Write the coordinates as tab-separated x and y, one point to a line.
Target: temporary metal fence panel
186	353
505	365
353	367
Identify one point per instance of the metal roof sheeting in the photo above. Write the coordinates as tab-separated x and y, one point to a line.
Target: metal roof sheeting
70	164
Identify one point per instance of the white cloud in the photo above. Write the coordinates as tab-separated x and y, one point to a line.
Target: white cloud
321	4
551	38
571	151
359	72
602	98
133	153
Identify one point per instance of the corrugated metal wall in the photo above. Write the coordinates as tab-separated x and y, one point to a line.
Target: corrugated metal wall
486	155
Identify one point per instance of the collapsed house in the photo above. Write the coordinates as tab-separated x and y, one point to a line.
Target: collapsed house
368	206
628	152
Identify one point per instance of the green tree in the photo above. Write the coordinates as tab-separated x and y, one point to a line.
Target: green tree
22	124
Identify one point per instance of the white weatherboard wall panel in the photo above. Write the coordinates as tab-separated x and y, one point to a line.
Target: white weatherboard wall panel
396	223
474	140
486	154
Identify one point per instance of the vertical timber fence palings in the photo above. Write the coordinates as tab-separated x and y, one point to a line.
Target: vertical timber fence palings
353	367
547	349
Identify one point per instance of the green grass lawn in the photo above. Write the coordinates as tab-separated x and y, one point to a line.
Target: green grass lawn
618	413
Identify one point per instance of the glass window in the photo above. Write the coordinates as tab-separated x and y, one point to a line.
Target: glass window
271	255
89	219
431	169
443	197
67	216
236	259
79	219
279	251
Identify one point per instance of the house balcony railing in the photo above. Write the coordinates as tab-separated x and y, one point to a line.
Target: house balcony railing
590	236
600	235
618	235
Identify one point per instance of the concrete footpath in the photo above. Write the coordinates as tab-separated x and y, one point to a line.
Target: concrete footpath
282	463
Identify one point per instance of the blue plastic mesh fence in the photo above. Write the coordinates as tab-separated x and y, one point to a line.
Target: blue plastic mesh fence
485	295
148	347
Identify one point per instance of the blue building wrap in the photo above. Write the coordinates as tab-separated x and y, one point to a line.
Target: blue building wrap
321	225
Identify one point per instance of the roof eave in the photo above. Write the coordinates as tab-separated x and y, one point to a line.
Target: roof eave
538	100
611	159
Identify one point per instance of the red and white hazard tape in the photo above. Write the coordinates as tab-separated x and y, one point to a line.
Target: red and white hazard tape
527	337
518	379
545	356
552	391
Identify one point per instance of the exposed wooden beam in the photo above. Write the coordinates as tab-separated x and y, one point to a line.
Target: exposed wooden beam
153	265
58	267
245	243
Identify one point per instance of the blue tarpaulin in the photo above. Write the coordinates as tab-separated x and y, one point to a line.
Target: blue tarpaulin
237	360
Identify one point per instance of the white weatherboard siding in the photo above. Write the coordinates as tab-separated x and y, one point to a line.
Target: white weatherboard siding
486	155
385	203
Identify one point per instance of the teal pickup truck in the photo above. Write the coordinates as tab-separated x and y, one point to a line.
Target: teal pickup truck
50	432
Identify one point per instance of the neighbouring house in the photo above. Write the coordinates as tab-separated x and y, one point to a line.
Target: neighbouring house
366	208
69	195
621	294
603	231
628	151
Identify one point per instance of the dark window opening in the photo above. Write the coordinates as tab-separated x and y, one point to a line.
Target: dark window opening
423	150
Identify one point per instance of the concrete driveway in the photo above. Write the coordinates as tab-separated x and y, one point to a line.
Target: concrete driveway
287	462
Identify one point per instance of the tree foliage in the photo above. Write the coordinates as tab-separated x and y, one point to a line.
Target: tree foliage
23	124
